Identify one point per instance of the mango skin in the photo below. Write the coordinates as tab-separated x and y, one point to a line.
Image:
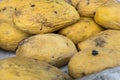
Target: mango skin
21	68
93	60
52	48
81	30
108	15
105	39
10	36
37	18
7	11
87	8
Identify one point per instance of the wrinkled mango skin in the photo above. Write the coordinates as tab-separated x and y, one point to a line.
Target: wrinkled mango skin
45	16
20	68
38	16
7	11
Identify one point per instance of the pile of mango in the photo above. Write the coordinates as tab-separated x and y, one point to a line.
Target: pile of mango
48	34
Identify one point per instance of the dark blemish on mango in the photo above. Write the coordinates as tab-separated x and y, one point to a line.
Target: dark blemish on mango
57	2
11	7
99	42
83	74
15	9
67	44
41	28
94	13
88	2
44	23
32	5
53	57
55	12
4	9
36	60
95	52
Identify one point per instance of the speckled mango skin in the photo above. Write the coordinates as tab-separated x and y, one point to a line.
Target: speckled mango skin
7	11
81	30
5	15
51	48
88	7
19	68
108	15
43	16
105	39
93	60
10	36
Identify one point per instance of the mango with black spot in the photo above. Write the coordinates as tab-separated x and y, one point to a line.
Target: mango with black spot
7	11
93	60
105	39
45	16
